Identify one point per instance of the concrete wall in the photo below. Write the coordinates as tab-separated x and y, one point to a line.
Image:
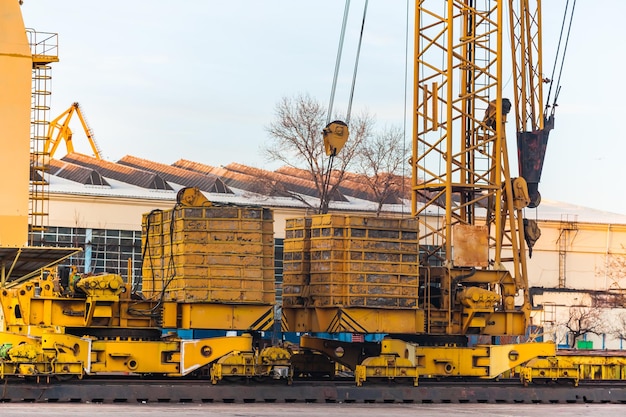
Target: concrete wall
606	314
591	257
100	212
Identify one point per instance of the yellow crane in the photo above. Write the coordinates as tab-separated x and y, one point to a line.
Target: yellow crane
59	130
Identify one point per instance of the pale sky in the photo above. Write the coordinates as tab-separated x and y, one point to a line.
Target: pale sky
199	79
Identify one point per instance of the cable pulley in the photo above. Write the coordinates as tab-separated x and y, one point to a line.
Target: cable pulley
335	136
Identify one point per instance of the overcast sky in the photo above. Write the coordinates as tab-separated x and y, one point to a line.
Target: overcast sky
199	79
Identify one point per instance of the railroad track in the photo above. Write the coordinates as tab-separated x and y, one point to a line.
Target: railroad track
94	390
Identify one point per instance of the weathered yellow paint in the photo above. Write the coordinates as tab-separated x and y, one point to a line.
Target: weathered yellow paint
478	361
105	307
51	353
197	353
351	261
599	364
354	320
550	369
135	356
220	254
270	362
45	355
221	316
108	306
398	359
15	90
387	367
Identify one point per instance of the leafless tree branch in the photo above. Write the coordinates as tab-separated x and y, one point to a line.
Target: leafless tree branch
297	142
380	162
582	321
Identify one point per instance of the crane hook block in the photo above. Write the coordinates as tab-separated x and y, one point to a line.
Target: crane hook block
335	136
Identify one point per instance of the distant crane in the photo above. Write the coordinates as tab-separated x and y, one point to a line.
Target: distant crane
59	130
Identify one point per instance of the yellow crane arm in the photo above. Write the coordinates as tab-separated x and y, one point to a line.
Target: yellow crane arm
61	125
59	130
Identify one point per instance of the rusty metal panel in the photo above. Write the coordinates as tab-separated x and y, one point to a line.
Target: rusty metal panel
470	245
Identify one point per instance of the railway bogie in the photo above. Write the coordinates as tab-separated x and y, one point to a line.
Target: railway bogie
390	364
551	369
272	362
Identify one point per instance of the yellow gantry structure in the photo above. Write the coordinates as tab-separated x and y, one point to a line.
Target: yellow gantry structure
15	104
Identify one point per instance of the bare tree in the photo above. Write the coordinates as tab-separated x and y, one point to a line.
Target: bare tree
297	142
381	160
618	327
582	321
614	269
269	184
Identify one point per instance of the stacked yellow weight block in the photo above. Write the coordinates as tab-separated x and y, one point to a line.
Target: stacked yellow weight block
296	262
353	261
209	254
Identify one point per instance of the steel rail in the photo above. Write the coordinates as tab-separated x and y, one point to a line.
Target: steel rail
124	390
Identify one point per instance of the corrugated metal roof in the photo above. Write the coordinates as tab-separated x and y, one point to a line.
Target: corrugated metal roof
358	186
193	166
250	189
127	174
355	187
76	173
257	180
26	260
275	183
36	176
298	181
203	181
232	179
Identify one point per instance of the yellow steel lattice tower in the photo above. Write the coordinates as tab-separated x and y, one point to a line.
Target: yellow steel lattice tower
460	165
469	206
